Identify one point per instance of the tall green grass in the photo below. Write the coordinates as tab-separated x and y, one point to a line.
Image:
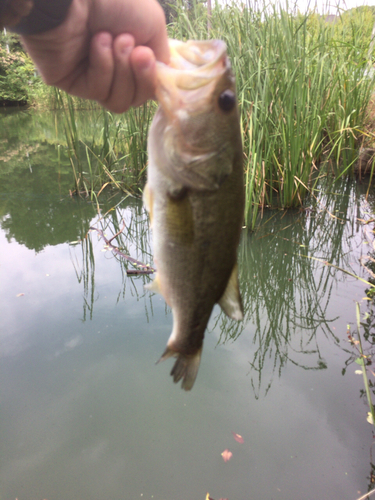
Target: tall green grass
303	89
303	93
109	150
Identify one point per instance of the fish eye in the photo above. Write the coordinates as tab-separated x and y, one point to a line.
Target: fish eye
227	100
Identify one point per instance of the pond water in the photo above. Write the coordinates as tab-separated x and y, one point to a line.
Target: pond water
87	414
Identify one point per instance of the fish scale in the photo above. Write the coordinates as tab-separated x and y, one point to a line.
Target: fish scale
195	196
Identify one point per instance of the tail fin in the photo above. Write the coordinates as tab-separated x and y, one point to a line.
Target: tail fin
186	367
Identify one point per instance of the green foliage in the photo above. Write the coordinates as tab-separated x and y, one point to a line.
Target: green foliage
303	85
109	151
355	26
303	90
171	8
17	73
10	40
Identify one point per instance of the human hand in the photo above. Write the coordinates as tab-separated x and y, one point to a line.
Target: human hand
105	50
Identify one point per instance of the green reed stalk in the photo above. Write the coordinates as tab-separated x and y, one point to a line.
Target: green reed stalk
361	362
66	106
106	150
303	92
302	89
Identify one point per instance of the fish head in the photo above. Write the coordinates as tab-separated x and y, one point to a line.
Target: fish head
198	120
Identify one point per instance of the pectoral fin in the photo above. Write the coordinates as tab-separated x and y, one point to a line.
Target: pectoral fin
230	301
155	286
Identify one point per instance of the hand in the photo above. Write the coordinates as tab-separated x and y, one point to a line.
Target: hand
105	50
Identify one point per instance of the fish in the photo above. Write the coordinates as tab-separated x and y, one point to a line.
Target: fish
195	195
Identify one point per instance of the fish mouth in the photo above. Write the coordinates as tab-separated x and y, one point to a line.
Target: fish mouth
194	65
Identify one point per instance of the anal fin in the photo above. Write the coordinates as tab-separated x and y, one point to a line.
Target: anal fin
230	301
154	286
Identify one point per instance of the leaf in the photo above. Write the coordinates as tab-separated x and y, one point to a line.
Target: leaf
227	455
359	361
370	420
239	438
358	372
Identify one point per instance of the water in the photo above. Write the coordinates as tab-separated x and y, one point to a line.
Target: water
87	414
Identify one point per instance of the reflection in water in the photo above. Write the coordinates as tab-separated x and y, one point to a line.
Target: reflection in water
285	294
286	291
85	272
83	399
128	224
35	178
286	287
367	335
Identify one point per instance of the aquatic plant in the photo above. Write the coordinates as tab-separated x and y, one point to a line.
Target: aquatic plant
109	151
303	92
303	87
362	361
123	225
363	357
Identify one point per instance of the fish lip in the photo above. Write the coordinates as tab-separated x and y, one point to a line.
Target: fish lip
193	66
200	60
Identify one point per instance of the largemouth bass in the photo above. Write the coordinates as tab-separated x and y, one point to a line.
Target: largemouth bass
195	195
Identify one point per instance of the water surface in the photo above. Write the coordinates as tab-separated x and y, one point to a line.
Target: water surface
87	414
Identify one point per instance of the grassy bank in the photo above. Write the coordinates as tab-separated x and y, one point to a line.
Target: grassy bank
304	85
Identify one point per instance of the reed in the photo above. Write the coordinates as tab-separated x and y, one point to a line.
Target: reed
105	150
289	268
362	361
303	93
303	88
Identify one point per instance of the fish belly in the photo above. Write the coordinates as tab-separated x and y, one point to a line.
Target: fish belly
195	235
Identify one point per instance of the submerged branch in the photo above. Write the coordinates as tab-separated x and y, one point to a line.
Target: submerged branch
366	495
140	267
